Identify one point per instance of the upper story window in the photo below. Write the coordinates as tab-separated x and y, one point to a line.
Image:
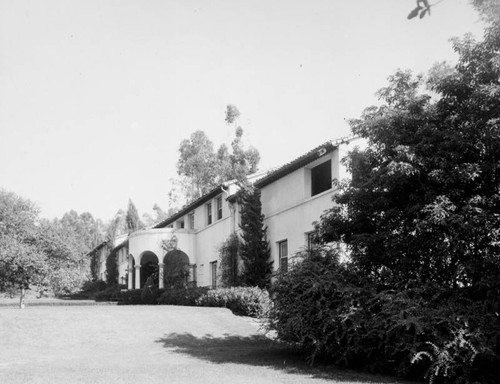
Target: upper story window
219	207
208	208
191	220
180	224
283	255
311	241
321	178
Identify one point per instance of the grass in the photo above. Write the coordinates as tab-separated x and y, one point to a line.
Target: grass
149	344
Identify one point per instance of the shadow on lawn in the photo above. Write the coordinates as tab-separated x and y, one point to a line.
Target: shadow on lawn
260	351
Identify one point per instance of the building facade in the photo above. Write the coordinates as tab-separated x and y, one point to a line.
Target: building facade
293	197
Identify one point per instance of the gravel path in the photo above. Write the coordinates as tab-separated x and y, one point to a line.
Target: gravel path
148	344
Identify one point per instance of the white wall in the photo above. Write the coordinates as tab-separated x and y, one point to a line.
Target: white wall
289	209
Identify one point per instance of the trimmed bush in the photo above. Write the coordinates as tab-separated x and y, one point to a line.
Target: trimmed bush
131	297
109	294
181	296
325	309
245	301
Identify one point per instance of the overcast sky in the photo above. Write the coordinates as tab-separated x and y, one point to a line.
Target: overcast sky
95	96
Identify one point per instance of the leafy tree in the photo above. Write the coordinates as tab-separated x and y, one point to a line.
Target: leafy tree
22	264
254	248
134	223
197	162
116	226
159	215
201	168
424	202
423	8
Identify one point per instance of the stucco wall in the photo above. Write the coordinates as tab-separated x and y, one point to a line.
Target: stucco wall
208	241
289	209
293	224
151	240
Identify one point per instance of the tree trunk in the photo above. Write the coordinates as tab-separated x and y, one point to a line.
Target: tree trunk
21	299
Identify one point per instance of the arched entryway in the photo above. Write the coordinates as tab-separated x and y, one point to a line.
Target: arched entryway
149	267
176	269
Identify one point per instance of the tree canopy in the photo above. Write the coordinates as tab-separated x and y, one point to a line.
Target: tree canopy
424	201
202	168
43	254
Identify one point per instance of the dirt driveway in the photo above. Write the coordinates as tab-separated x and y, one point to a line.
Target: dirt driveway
148	344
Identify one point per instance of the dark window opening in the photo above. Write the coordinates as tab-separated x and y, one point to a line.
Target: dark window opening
321	178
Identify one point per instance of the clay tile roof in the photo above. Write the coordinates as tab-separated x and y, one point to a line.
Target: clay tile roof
206	197
299	162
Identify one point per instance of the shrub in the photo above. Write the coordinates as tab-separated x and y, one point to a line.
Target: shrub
325	309
131	297
149	293
93	286
246	301
181	296
111	293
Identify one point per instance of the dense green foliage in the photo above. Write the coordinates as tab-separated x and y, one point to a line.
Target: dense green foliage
112	268
421	219
40	254
202	168
150	293
335	314
424	203
245	301
228	256
182	296
254	247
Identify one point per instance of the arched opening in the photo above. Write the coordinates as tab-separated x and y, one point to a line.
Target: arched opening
176	270
149	267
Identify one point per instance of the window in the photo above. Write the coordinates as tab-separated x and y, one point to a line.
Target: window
219	207
311	242
180	224
191	220
321	178
209	213
283	254
192	275
213	273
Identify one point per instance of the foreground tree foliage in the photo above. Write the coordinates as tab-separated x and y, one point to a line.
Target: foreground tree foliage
424	202
420	297
39	254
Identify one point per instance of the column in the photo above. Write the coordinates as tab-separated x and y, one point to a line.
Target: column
137	277
160	274
130	280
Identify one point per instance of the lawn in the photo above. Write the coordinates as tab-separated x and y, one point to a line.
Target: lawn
149	344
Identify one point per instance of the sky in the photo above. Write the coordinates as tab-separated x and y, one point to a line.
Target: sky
96	96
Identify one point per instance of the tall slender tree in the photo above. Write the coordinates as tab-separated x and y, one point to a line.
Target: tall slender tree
254	248
134	223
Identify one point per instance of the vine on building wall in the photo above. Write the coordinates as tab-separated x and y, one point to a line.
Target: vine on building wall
228	254
112	268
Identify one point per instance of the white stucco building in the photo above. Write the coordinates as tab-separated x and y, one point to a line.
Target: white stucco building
293	197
